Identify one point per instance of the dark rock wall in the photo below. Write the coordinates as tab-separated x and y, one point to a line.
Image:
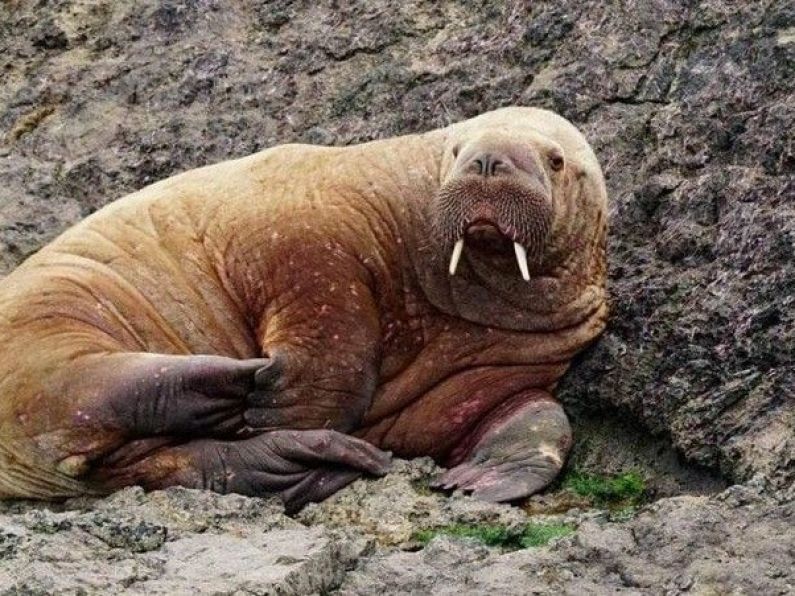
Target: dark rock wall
689	106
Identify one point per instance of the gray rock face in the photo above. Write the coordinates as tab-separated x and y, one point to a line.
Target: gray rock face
690	108
678	545
173	542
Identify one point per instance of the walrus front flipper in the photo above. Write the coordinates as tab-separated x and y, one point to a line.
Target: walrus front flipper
300	466
145	395
69	411
517	450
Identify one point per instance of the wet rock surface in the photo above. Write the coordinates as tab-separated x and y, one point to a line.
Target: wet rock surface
690	108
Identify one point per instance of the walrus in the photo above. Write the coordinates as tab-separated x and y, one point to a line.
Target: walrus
286	322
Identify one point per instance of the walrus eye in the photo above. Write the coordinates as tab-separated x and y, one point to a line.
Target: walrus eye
456	149
556	162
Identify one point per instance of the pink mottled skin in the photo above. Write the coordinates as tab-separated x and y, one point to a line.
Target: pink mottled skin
271	324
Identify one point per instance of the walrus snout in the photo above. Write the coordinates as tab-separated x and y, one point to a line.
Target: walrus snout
500	155
489	164
500	207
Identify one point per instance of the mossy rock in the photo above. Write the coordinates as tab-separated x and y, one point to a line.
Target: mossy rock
617	491
511	538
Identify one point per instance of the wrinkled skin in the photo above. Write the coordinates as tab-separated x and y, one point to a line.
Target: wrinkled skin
280	323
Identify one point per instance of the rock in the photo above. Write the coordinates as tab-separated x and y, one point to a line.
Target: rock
186	541
296	561
134	535
394	508
676	545
170	542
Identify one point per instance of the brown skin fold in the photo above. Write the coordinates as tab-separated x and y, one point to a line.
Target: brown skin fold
317	279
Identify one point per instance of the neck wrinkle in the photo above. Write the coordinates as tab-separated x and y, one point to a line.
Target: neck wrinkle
400	202
395	179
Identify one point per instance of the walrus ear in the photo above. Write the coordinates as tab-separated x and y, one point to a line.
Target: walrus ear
576	182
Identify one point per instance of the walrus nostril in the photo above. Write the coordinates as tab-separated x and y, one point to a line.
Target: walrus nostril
494	165
487	165
480	165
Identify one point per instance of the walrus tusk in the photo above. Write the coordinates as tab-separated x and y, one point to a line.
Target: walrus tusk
521	258
457	250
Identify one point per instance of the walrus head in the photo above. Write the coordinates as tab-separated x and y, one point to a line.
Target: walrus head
516	228
498	199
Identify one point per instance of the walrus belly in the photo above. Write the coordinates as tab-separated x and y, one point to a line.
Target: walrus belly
436	421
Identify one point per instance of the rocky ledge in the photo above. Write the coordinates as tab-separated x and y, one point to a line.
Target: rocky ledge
393	536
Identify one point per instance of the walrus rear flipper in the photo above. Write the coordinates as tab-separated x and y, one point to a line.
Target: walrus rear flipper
514	452
70	409
299	466
109	420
